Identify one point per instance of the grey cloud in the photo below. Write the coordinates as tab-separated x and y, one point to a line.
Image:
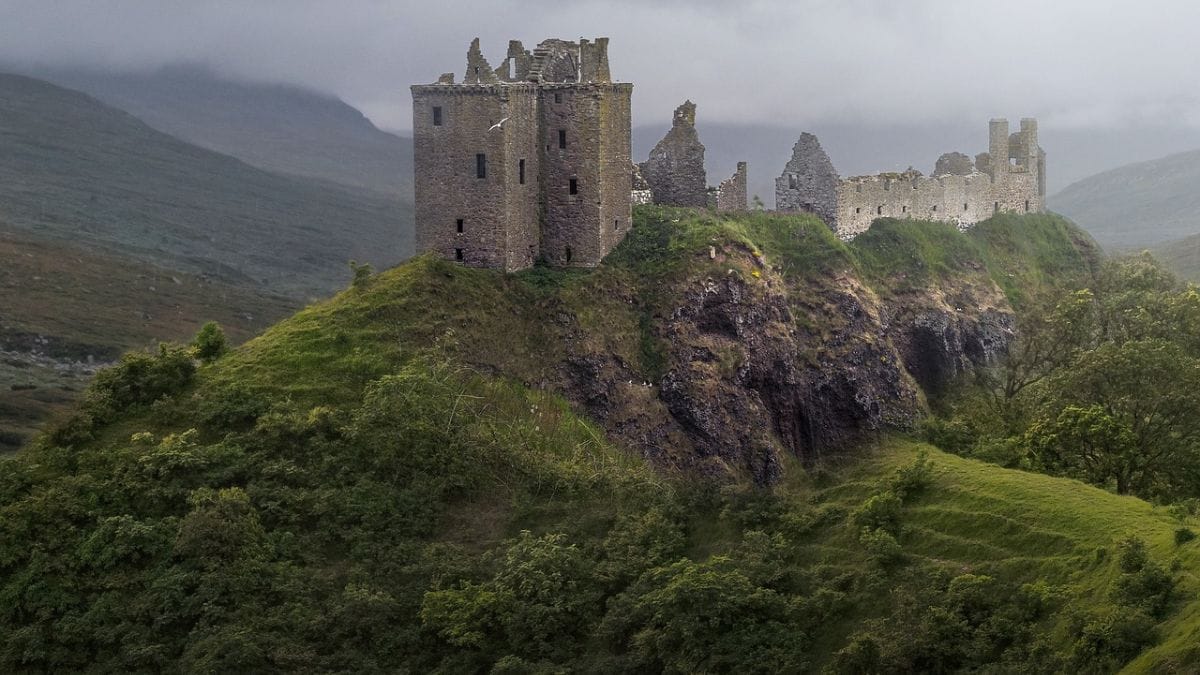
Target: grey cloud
1074	64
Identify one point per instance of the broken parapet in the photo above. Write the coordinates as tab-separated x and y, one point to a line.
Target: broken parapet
731	193
809	182
640	189
675	169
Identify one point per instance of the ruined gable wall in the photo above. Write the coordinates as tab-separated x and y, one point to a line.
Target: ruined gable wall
809	182
731	193
675	169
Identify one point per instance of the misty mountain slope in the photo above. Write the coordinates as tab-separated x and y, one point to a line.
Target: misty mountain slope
272	126
73	168
1137	205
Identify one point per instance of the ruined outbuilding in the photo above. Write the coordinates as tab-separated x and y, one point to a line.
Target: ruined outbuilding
1009	178
524	161
675	169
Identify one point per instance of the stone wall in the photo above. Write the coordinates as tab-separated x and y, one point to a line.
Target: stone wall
527	160
731	193
809	182
675	169
1009	178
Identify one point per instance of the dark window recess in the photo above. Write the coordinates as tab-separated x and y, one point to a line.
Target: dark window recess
521	171
1026	206
459	224
935	208
964	206
437	115
616	224
557	98
903	209
481	165
568	254
858	209
574	186
996	207
879	211
562	138
458	254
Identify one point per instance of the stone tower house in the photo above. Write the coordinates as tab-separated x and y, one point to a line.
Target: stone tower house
527	160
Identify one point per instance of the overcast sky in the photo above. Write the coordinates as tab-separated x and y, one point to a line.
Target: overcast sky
1071	63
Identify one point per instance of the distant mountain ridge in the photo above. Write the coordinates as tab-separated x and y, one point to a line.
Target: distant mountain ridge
1139	205
74	168
281	128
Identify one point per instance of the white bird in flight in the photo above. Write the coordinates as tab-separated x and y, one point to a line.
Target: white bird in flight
497	124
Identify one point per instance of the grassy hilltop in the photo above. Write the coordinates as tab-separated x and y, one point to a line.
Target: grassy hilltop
437	471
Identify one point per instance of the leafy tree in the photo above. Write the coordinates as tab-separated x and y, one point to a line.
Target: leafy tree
1123	414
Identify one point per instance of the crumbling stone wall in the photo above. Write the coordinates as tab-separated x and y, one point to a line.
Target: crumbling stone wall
675	169
1009	178
640	188
809	182
527	160
731	193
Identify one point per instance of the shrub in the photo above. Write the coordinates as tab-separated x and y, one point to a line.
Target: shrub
881	546
139	380
880	512
1183	535
362	274
209	344
912	479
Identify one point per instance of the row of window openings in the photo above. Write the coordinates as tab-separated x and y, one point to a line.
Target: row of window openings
460	227
481	172
904	209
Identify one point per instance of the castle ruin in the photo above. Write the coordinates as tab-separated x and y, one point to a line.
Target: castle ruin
675	169
1009	178
525	161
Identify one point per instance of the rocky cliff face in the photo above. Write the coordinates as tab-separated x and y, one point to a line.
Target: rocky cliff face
756	366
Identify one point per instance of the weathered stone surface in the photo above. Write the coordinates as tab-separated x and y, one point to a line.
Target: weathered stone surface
953	164
528	160
809	182
675	169
731	193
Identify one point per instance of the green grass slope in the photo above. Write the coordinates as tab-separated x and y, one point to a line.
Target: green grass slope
341	493
1138	205
74	169
1181	257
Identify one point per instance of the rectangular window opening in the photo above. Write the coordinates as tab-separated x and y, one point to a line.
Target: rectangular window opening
1026	206
557	97
935	208
459	224
437	115
481	165
574	187
964	206
996	207
562	138
903	209
521	171
858	209
458	254
879	211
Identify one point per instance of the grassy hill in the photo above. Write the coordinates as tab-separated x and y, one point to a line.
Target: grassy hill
1136	206
431	471
1181	256
74	169
275	127
68	309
